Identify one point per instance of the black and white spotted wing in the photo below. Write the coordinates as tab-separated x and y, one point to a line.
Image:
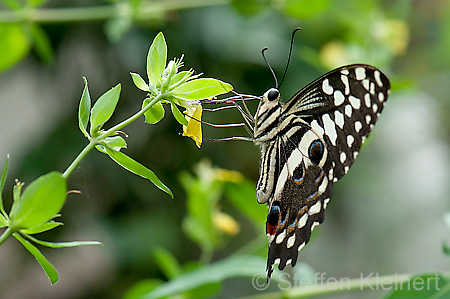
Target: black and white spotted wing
306	145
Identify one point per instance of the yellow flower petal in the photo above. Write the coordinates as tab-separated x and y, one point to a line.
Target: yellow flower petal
225	223
194	128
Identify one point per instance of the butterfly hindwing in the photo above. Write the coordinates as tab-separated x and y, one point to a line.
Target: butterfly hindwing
306	145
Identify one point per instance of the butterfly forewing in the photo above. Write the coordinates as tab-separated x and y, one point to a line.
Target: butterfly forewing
308	144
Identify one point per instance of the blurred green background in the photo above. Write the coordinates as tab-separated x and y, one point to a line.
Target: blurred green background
386	215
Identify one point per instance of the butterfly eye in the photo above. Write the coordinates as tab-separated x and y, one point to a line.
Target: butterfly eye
273	95
316	151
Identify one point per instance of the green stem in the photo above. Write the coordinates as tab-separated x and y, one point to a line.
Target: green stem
6	234
145	11
78	159
321	287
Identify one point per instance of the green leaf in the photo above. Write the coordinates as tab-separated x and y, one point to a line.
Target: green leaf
181	77
40	201
3	221
433	285
156	59
2	186
104	108
41	43
201	89
155	113
84	109
63	244
236	266
142	287
137	168
167	263
139	82
303	9
178	115
116	143
41	228
14	44
249	7
45	264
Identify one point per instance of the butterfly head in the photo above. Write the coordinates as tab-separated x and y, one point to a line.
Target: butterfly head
270	99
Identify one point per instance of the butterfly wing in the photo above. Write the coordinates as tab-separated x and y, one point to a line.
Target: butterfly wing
322	130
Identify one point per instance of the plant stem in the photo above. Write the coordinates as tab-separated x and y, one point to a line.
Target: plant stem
78	159
6	234
324	288
145	11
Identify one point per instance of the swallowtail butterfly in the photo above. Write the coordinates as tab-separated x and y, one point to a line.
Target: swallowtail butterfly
306	145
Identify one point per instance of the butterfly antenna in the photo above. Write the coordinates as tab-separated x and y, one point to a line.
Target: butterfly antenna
270	68
290	52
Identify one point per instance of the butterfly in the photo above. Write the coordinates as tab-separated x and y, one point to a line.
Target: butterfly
306	145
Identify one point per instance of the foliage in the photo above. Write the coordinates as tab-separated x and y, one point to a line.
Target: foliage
34	210
193	246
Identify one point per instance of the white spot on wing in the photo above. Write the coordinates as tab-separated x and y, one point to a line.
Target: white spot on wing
345	82
367	100
323	185
313	226
338	98
290	241
374	108
330	128
368	119
325	202
343	157
326	87
288	262
305	142
301	246
381	97
377	75
280	237
276	261
350	140
355	102
360	73
302	221
358	126
366	84
315	208
348	110
345	72
339	119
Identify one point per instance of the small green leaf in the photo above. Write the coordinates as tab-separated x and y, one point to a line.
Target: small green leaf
236	266
84	109
41	228
41	43
40	201
63	244
2	186
14	44
180	78
156	59
3	221
167	263
139	82
201	89
178	115
155	113
45	264
141	287
104	108
116	143
136	168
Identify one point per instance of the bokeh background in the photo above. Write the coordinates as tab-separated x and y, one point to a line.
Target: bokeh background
386	216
